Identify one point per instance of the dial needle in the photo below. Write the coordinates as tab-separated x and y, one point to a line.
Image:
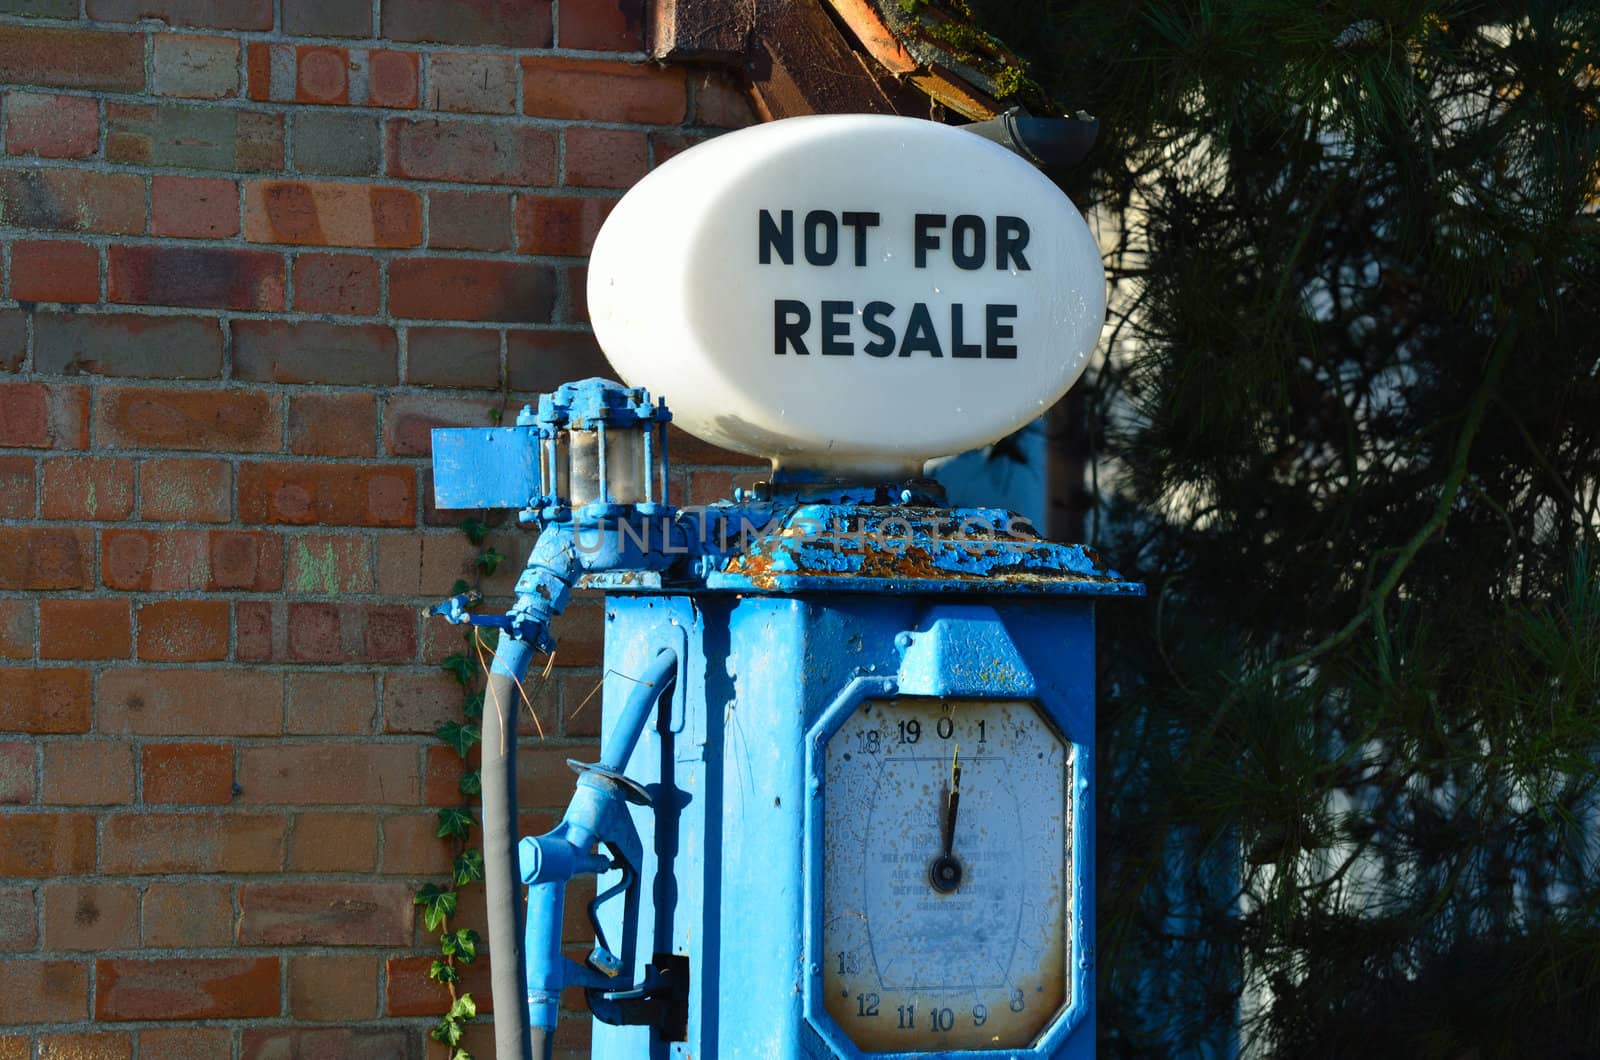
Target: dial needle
952	802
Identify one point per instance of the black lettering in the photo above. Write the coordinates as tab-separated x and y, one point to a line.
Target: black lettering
925	239
957	347
1010	236
920	337
824	222
866	1004
997	325
860	222
836	332
967	226
777	236
790	320
882	344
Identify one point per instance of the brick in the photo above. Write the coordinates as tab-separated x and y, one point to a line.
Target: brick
664	145
412	847
340	284
44	845
85	1046
13	339
564	225
72	200
54	271
183	630
245	421
333	842
191	774
472	82
88	488
325	914
453	357
141	844
605	158
127	344
16	783
195	67
194	136
459	289
44	991
333	424
186	988
327	18
335	494
322	702
90	916
315	352
322	74
336	143
17	481
351	633
88	773
187	1043
16	1046
194	207
330	989
719	101
71	58
408	422
188	914
322	774
512	23
420	703
602	25
40	9
17	629
51	126
44	701
84	629
37	557
412	993
364	1043
327	214
394	79
471	152
423	565
159	561
253	630
328	564
198	277
19	929
208	14
183	489
603	90
469	220
539	361
144	702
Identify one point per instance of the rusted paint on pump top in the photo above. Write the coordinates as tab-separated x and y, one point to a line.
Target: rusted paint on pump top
844	806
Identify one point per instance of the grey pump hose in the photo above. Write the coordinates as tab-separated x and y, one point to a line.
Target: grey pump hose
502	881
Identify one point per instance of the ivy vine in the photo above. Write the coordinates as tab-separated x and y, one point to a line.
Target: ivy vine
459	946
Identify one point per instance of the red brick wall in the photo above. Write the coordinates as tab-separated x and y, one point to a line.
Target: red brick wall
253	251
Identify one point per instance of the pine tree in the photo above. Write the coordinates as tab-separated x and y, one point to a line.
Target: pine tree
1347	433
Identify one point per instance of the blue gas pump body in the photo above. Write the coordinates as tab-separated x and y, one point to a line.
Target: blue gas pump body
785	609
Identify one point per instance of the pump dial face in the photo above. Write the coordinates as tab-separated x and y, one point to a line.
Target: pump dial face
946	921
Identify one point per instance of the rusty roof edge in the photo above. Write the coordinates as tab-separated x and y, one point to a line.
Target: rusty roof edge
886	34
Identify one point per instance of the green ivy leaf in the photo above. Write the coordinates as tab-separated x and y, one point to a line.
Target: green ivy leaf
469	866
442	972
464	1009
467	945
462	1054
475	529
448	1031
462	737
460	587
460	666
472	706
471	782
455	822
496	414
438	905
487	560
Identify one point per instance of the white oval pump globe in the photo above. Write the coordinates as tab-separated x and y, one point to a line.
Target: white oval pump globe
848	294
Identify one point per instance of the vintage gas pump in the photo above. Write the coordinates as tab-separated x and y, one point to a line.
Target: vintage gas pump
845	798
